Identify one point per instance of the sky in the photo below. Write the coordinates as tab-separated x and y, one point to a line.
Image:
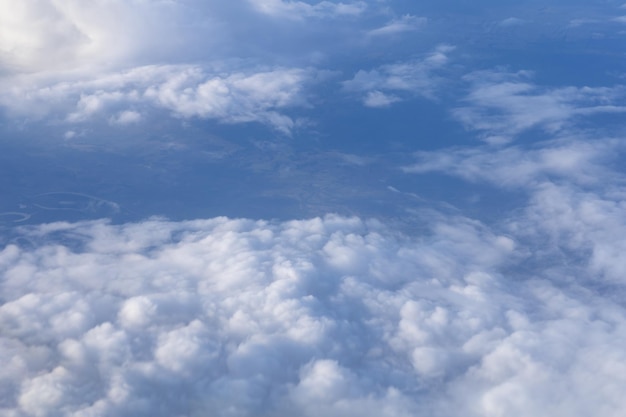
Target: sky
269	208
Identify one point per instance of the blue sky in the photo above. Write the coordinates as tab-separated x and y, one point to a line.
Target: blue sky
273	208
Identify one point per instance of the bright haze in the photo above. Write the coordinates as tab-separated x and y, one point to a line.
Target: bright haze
276	208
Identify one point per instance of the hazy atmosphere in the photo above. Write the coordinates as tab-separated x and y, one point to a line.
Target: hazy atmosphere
272	208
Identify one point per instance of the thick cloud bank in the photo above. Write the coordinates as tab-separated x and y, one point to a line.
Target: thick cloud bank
330	316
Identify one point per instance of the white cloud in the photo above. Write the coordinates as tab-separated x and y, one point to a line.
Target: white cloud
580	22
575	198
502	105
334	316
584	224
126	117
406	23
77	62
70	134
298	10
379	99
329	316
61	35
574	160
381	86
512	21
184	90
237	97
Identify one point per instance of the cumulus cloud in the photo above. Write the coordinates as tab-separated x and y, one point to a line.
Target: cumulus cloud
329	316
184	90
501	105
76	62
383	85
335	316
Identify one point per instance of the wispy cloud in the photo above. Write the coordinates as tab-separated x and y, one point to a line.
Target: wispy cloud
575	160
575	196
297	10
405	23
390	83
512	21
502	105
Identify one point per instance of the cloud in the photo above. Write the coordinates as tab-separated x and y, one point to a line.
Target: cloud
62	35
67	61
585	224
501	106
298	10
574	196
379	99
335	316
70	39
237	97
126	117
184	90
512	21
406	23
382	86
572	218
570	159
581	22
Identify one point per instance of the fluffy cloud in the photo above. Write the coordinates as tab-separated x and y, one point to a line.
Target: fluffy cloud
501	105
117	61
382	86
184	90
334	316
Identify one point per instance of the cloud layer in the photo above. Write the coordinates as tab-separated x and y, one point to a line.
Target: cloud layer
335	316
518	315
